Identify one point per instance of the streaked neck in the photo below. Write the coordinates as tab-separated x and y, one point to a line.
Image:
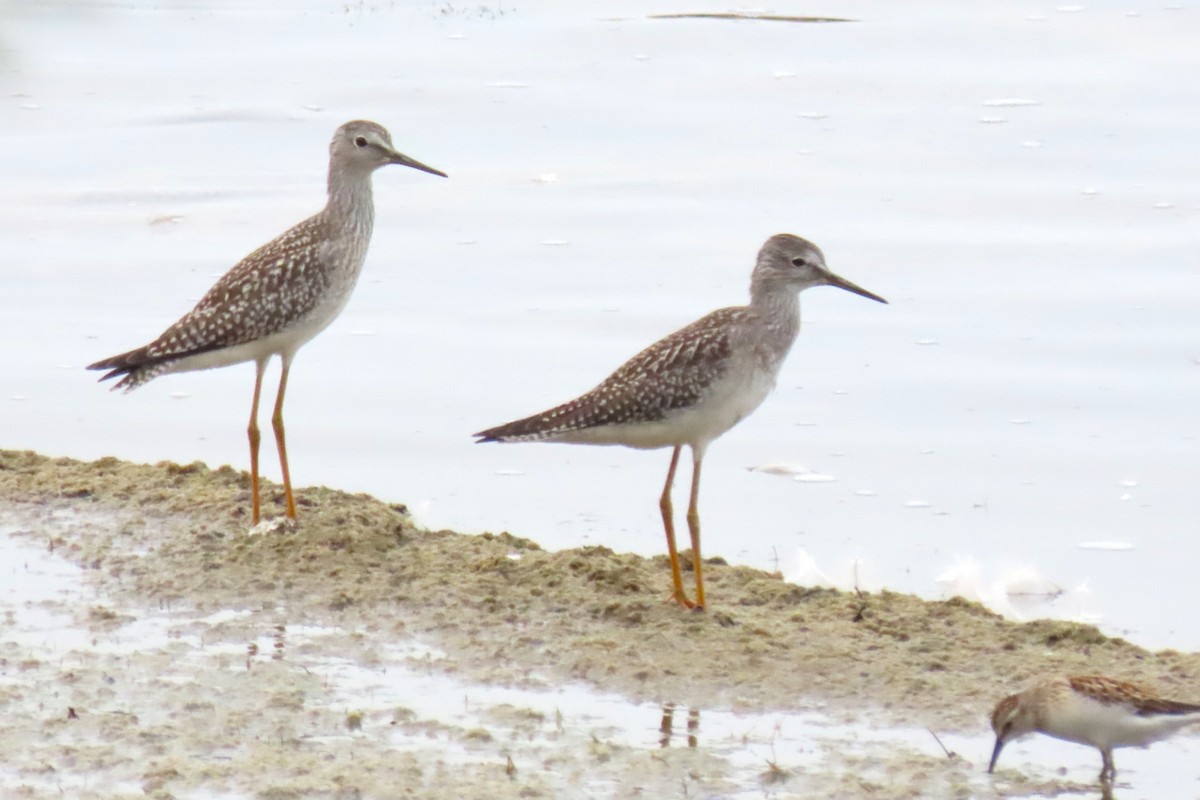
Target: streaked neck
351	202
776	302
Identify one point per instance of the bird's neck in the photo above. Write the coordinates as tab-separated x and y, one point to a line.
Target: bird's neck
777	309
775	304
351	202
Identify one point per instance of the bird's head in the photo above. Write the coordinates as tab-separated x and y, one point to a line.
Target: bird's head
787	260
363	146
1011	719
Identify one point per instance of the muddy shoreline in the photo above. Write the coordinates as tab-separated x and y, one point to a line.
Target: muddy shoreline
506	612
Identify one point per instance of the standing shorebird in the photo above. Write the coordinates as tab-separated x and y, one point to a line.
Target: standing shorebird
1092	710
281	295
695	384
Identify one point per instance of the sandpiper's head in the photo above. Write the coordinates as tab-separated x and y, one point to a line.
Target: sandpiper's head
362	146
787	260
1011	719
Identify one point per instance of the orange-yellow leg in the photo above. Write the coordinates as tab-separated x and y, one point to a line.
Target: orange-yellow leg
693	518
255	438
277	425
664	504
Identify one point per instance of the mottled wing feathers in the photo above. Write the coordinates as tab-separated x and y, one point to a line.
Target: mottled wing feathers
273	286
1139	698
268	289
674	372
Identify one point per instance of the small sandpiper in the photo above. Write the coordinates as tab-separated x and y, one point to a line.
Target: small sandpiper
281	295
695	384
1090	709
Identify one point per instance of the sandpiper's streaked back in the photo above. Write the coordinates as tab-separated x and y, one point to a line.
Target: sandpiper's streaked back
1093	710
281	295
695	384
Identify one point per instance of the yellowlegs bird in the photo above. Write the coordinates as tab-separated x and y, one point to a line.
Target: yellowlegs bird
281	295
695	384
1092	710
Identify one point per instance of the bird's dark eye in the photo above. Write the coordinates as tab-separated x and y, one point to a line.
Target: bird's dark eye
361	141
799	262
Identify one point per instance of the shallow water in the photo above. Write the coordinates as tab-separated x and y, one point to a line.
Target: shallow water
329	690
1019	181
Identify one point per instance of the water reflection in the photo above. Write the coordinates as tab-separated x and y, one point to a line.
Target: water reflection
667	724
349	689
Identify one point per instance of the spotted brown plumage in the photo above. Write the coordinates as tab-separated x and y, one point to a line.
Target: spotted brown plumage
1142	700
281	295
270	289
671	374
694	384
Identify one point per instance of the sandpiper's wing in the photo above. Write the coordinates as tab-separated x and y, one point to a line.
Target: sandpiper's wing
674	372
277	283
1139	698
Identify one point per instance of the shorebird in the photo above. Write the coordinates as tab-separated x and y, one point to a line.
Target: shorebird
693	385
281	295
1093	710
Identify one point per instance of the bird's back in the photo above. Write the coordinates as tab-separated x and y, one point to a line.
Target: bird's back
665	394
274	291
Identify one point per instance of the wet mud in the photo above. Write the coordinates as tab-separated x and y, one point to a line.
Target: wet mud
171	542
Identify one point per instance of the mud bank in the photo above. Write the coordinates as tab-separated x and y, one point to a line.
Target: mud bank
494	611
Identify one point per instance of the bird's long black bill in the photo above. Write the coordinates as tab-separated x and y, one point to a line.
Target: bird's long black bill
842	283
405	161
995	754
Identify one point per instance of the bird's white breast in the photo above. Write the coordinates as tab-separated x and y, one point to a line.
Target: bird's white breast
1107	725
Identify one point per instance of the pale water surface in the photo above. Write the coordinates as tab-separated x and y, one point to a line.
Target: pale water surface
1020	180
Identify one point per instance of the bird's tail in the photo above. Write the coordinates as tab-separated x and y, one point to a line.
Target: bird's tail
547	426
133	368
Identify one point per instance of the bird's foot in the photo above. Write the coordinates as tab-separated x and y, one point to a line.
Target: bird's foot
276	525
682	599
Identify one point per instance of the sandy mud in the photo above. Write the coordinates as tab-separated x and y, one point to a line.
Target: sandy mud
236	691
